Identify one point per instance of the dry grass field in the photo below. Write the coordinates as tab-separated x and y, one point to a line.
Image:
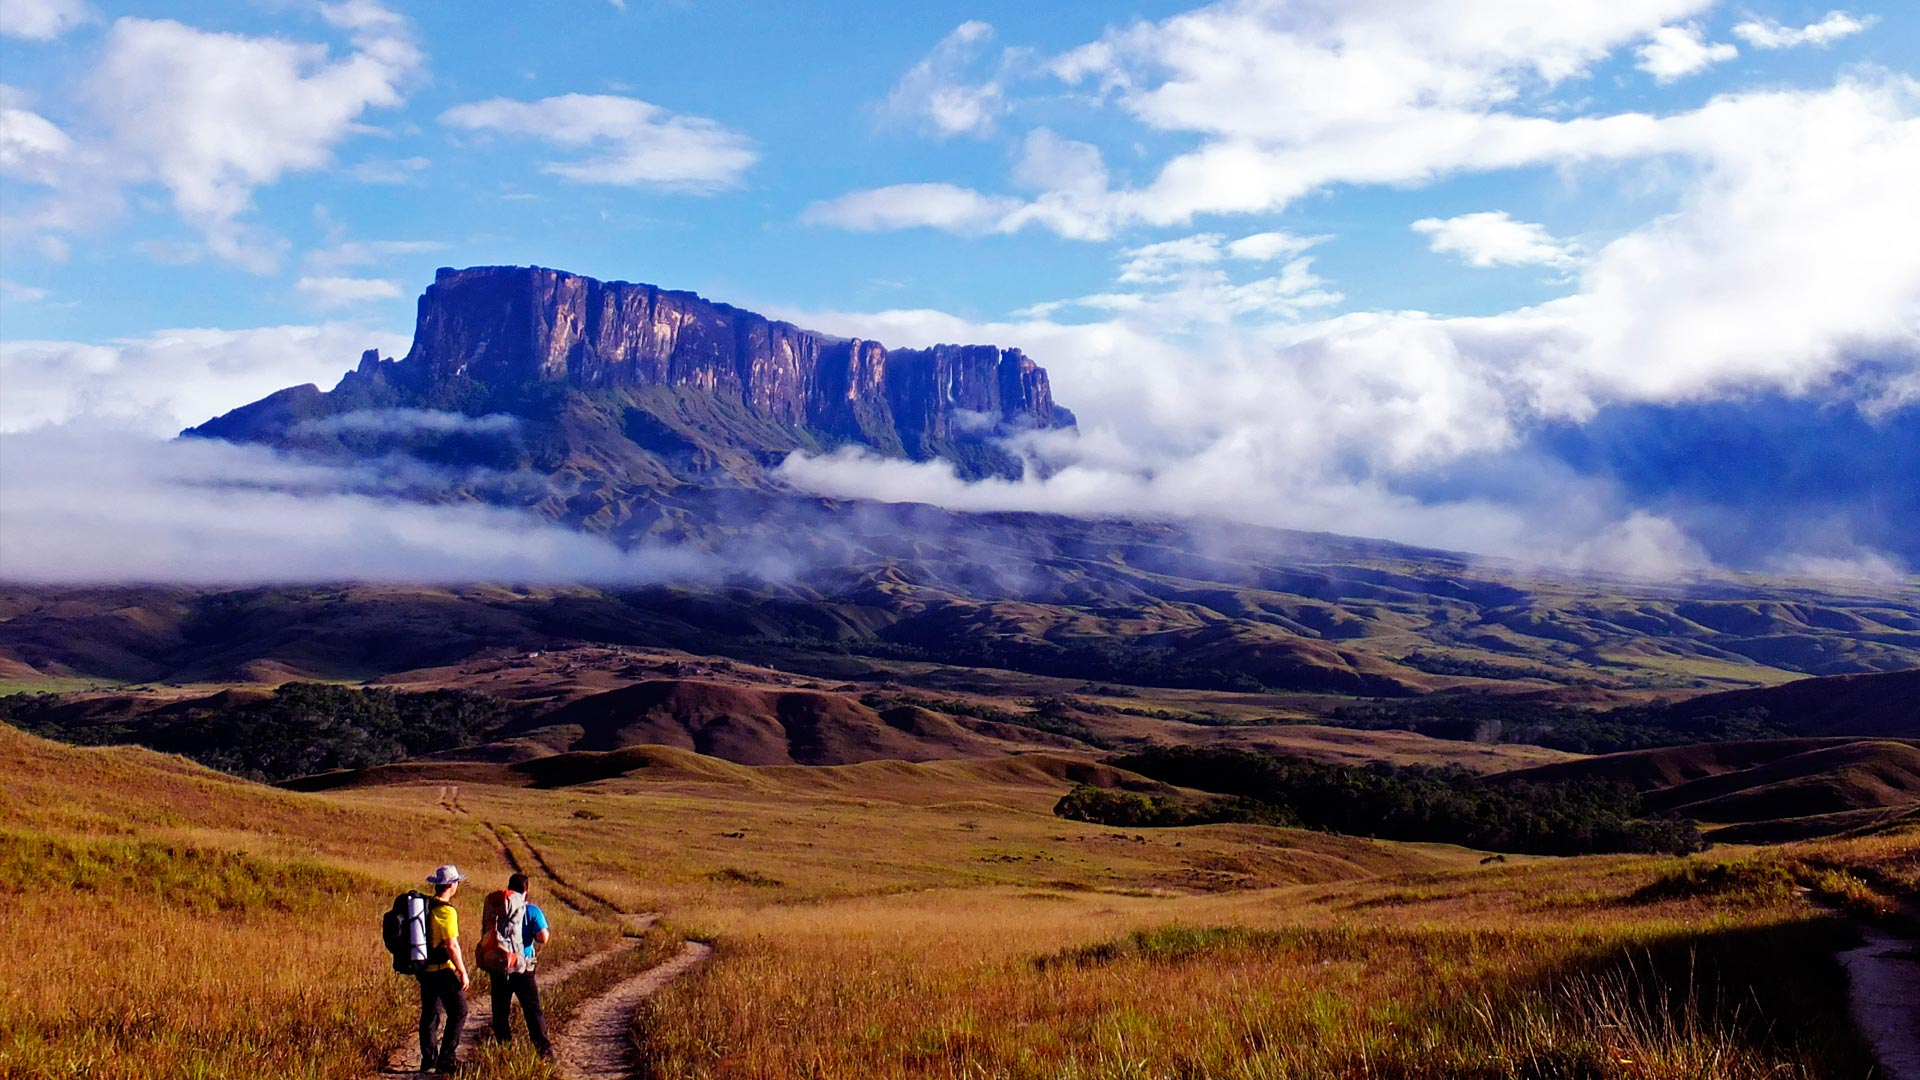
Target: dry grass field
896	920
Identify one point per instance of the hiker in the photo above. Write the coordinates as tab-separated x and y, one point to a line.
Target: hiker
444	980
520	982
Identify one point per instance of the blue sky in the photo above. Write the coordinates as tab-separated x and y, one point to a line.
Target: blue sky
1421	233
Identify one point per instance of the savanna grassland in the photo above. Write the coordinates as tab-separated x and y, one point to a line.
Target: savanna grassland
896	920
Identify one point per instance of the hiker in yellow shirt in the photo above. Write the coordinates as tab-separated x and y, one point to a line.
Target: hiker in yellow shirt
443	983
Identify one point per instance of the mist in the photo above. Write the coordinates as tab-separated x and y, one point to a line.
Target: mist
83	505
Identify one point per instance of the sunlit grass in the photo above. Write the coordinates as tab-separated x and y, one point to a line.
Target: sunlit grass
896	921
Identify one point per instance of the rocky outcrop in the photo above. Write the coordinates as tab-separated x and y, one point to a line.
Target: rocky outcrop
525	326
613	406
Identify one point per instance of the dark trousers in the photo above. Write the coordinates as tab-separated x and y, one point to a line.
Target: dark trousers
440	992
520	984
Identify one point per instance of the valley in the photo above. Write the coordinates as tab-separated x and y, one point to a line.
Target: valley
856	788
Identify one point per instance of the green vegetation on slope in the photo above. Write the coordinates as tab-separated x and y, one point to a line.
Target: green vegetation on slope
1487	718
302	728
1413	803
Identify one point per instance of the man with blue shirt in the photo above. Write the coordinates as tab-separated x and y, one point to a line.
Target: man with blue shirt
521	984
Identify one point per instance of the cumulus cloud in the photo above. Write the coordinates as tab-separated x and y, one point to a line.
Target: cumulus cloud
211	117
1495	238
1770	34
1674	52
334	292
32	148
1288	99
943	95
42	20
629	142
102	506
1192	280
171	379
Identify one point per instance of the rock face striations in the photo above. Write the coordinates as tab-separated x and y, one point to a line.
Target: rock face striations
519	326
699	384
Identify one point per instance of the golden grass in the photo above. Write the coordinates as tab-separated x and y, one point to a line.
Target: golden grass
895	921
1289	983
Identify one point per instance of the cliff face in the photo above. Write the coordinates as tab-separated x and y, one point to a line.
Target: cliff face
517	326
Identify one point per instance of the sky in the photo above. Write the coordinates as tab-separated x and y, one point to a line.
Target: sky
1634	288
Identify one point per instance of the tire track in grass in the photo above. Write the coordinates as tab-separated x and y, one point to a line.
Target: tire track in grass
598	1043
584	898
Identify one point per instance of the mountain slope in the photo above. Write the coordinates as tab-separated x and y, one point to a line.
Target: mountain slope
1879	705
756	726
1764	790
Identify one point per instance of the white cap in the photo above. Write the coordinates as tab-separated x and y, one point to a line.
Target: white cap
446	876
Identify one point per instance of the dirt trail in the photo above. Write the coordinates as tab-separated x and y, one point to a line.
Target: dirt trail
1883	979
402	1059
597	1044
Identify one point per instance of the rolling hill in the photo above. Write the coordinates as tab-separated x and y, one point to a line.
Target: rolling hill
1765	790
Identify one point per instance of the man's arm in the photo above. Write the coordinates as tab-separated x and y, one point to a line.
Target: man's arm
541	937
459	958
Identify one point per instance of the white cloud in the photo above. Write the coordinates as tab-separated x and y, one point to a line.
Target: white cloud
212	117
631	142
31	147
172	379
1172	285
1271	245
15	293
353	253
1794	251
1674	52
333	292
1770	34
404	170
1791	254
1288	99
1164	260
937	94
902	206
1494	238
42	20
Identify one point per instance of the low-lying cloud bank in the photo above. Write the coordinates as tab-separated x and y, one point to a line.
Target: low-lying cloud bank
87	505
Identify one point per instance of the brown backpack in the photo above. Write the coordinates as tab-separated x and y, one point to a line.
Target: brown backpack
498	951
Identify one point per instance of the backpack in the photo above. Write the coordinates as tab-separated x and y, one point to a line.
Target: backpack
498	952
404	931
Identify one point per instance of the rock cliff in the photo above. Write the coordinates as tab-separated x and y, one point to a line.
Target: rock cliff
712	385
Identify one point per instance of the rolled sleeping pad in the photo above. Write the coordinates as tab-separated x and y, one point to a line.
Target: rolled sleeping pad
417	927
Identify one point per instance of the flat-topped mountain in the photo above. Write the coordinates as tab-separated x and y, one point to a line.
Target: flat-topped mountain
627	385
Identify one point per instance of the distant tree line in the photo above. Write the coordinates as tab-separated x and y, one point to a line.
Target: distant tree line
1411	803
1487	718
302	728
1117	660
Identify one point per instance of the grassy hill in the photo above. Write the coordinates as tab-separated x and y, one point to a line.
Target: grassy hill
893	919
1876	705
1765	790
